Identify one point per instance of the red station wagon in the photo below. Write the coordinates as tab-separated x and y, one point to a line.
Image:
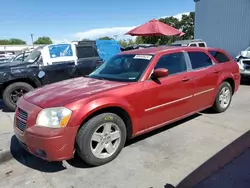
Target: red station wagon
132	93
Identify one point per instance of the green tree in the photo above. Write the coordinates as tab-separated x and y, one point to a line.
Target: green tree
16	41
43	40
186	24
12	41
4	42
106	38
128	42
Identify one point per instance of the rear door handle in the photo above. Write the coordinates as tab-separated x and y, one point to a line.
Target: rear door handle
185	79
216	71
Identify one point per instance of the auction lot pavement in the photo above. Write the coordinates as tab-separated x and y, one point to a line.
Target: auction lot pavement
160	159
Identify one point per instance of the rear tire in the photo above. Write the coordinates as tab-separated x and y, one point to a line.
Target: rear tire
95	144
223	98
13	92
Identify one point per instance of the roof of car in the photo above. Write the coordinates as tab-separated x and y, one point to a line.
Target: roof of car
157	50
187	41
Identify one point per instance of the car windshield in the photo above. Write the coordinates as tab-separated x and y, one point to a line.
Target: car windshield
123	68
34	55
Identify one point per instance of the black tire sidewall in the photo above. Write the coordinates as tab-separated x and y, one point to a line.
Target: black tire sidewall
217	107
9	89
85	133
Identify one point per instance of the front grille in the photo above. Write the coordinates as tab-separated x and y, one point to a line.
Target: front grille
21	125
22	114
21	119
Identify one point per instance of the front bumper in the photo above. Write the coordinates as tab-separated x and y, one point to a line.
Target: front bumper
46	143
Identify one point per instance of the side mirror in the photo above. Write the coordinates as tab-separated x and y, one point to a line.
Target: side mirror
158	73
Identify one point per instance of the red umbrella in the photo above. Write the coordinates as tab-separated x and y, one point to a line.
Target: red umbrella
154	28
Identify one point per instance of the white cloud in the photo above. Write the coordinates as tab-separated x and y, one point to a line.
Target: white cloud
178	16
60	41
114	32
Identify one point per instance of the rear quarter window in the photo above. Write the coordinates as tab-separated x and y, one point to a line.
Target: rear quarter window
219	56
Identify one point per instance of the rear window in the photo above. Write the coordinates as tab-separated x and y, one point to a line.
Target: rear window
219	56
86	52
193	45
202	45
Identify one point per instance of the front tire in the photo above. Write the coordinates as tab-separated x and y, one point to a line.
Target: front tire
101	139
13	92
223	98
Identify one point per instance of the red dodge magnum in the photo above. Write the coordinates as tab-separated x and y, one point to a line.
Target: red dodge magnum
132	93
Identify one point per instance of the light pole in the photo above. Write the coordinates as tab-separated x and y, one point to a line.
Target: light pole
31	35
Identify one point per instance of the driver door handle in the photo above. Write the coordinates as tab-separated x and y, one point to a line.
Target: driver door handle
186	79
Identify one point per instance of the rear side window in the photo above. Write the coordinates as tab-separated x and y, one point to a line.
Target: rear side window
86	52
199	60
175	63
219	56
193	45
202	45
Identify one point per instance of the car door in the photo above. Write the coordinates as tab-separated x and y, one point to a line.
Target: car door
168	98
58	71
205	74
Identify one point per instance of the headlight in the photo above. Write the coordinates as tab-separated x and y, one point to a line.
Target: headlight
54	117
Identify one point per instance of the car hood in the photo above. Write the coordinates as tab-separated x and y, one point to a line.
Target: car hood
65	92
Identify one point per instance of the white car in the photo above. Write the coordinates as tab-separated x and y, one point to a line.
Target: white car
243	60
5	57
190	43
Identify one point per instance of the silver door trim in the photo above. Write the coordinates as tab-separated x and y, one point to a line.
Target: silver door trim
178	100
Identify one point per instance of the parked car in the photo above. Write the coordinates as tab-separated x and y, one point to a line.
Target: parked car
190	43
5	57
132	93
52	63
243	60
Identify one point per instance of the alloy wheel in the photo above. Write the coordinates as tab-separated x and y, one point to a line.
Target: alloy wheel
105	140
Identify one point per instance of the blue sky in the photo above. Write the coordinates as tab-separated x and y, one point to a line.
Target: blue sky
75	19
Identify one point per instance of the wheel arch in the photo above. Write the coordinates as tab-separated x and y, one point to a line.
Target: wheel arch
119	107
27	80
121	112
231	82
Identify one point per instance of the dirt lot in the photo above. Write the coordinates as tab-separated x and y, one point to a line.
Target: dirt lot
161	159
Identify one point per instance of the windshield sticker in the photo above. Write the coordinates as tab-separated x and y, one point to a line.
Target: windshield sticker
147	57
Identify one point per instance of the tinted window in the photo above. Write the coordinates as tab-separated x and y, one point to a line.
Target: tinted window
220	57
193	45
86	51
199	60
175	63
202	45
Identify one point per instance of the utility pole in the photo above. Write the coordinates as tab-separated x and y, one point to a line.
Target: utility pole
31	35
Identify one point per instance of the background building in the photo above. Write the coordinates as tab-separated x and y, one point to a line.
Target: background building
15	48
223	23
